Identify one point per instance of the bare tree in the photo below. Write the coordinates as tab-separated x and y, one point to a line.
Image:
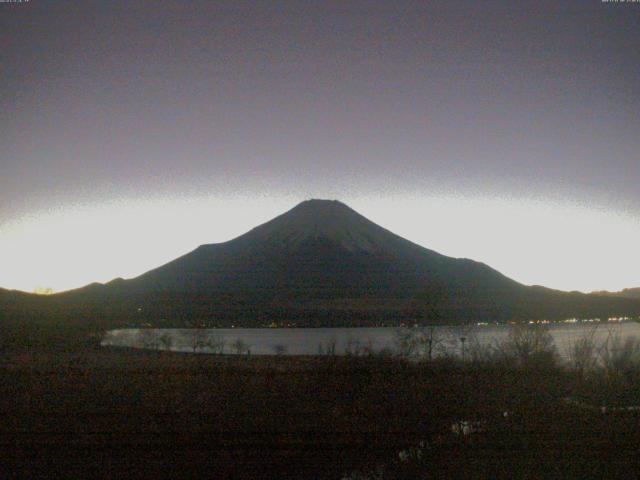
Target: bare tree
430	340
477	351
529	345
416	341
166	341
280	349
353	348
148	338
368	348
199	339
327	348
583	353
405	342
618	356
239	346
217	344
458	338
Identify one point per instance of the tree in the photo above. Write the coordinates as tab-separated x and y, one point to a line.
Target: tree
353	348
429	340
199	339
422	342
462	335
529	345
166	341
148	338
280	349
620	357
405	342
217	345
328	348
583	353
239	346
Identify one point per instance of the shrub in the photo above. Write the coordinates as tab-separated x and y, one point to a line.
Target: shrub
529	346
620	357
280	349
239	346
166	340
419	342
582	354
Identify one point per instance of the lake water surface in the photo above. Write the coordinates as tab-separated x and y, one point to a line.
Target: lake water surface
341	341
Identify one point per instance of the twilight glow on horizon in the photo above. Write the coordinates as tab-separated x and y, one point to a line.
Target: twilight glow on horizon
132	132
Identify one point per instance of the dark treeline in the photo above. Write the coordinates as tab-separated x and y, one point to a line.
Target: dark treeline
109	307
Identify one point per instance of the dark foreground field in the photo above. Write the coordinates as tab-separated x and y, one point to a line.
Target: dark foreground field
125	414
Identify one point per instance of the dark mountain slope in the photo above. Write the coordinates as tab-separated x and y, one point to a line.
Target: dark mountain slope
626	293
318	248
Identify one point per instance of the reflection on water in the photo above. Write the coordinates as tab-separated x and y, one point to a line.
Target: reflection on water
341	341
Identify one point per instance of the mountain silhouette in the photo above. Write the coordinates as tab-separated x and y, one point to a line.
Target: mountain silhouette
626	293
323	264
320	248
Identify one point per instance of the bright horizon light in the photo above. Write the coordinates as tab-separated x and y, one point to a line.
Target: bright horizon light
558	245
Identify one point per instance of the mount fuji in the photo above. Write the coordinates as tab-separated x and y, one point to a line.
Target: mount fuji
323	264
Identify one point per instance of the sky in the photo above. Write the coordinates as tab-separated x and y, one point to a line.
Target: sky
134	131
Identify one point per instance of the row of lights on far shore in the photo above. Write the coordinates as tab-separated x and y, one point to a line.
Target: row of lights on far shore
568	320
478	324
591	320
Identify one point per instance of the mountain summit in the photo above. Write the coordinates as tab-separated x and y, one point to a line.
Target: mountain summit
329	219
323	264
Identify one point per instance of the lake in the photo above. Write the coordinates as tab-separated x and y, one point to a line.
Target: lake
341	341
